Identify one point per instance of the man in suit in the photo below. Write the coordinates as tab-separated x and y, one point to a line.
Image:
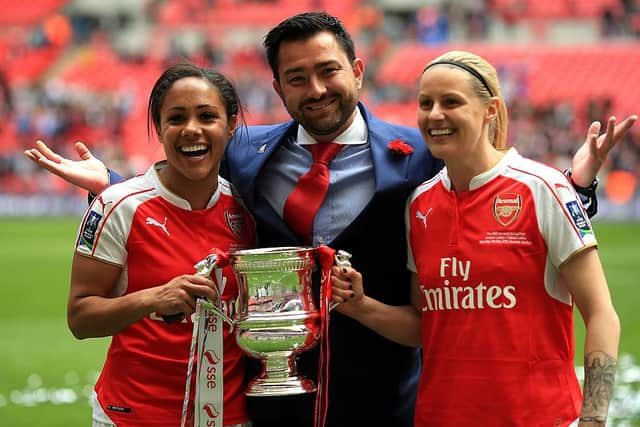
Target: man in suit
372	380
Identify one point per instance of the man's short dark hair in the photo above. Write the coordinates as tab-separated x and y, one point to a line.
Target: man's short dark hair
302	27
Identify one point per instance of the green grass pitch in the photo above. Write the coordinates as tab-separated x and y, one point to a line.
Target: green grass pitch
46	374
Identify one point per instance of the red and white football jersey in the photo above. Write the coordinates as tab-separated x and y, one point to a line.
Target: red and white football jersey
155	236
497	320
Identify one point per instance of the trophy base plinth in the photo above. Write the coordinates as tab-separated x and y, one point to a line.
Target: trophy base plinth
280	386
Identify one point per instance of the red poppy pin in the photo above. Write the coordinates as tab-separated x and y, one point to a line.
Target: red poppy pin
400	148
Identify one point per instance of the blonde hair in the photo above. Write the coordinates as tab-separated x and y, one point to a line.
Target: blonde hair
485	83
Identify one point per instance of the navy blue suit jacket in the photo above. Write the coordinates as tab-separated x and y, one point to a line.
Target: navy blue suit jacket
372	381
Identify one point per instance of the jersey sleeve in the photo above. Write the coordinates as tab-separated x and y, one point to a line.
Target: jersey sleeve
564	223
411	262
104	231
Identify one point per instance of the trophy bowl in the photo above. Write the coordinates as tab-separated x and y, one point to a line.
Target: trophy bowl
276	317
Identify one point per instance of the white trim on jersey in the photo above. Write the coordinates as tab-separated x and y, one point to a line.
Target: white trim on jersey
106	225
97	413
554	198
425	186
562	221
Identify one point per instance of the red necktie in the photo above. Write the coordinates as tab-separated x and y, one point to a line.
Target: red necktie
307	196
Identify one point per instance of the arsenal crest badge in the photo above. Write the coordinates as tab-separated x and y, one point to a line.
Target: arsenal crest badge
235	221
506	208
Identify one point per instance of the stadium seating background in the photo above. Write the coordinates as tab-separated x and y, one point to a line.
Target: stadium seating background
82	70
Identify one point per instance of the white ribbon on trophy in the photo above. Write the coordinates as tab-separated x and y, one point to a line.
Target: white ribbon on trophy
206	351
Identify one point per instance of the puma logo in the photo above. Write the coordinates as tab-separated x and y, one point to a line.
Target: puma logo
155	222
423	217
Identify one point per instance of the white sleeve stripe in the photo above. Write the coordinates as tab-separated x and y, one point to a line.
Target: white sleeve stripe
422	188
410	260
99	233
425	186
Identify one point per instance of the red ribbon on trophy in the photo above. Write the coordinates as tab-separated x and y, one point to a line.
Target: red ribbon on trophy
326	257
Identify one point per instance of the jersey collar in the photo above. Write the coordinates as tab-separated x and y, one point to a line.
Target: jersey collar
174	199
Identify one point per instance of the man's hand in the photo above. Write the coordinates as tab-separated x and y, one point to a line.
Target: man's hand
88	173
591	155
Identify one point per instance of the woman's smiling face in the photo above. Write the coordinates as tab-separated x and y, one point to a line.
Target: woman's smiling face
451	116
194	130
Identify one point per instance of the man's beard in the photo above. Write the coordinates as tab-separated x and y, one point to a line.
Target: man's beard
330	124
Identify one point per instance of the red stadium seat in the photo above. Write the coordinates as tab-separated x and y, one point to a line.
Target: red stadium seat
554	73
31	13
621	186
554	9
30	64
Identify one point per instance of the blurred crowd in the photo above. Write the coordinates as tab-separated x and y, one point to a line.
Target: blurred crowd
45	93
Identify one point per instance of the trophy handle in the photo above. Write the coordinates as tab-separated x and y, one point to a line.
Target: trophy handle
204	269
343	259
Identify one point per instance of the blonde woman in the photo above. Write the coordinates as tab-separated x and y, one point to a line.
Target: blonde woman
500	250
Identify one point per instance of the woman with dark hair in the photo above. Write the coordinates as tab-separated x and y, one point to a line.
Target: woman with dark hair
135	254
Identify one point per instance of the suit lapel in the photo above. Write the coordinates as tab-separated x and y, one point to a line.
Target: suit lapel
249	159
250	153
390	169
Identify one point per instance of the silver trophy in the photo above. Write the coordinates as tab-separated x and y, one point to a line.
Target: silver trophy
276	316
